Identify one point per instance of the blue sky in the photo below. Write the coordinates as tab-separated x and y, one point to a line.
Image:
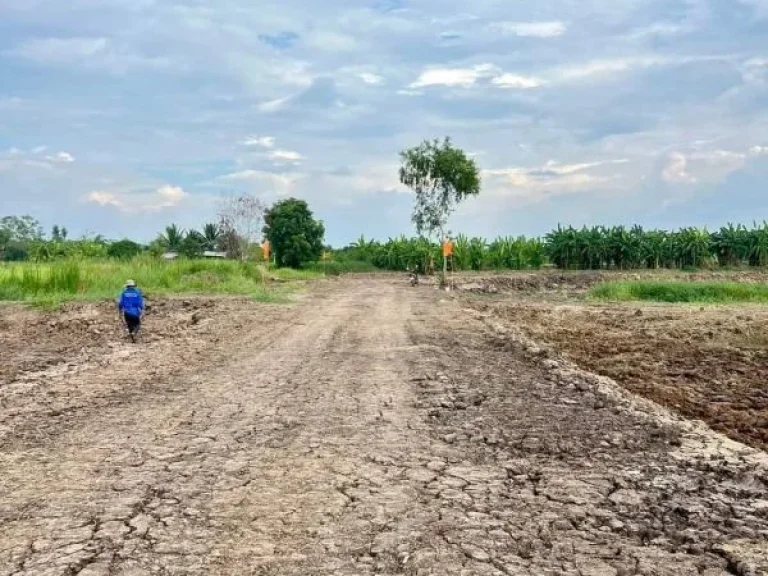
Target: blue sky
120	116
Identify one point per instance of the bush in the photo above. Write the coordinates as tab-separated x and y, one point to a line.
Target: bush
681	292
15	252
124	250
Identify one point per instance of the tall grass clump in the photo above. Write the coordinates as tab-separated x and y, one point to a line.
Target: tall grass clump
681	292
97	279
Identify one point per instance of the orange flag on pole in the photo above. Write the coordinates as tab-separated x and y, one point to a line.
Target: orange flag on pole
447	248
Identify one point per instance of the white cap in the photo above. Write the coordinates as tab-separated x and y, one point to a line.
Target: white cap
130	284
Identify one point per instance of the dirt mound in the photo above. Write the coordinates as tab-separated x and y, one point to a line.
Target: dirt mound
533	282
579	282
709	364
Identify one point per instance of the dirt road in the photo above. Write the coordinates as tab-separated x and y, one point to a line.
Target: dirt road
368	429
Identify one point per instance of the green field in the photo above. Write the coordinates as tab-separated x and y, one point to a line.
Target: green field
681	292
61	281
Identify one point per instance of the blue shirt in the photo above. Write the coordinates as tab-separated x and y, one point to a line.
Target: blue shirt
132	302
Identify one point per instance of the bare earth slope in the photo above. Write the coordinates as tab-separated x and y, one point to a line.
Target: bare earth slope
370	429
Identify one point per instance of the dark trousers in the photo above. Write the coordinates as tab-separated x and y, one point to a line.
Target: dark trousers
133	323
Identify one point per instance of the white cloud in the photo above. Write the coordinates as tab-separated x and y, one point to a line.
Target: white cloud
563	169
61	158
105	199
514	81
455	77
371	179
33	158
535	183
656	30
286	157
755	71
595	69
274	105
551	29
760	7
700	166
163	198
603	68
60	50
262	176
676	170
370	78
171	196
330	41
599	69
260	141
262	182
91	52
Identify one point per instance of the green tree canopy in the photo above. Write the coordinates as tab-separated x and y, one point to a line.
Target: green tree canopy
442	176
193	245
22	228
212	234
296	237
173	238
124	249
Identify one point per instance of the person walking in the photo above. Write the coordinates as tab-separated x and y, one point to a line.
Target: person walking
131	306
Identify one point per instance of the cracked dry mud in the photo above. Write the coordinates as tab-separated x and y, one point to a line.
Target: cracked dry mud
368	429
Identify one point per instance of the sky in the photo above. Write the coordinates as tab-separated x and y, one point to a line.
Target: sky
118	117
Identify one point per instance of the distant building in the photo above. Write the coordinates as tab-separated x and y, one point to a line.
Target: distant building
212	254
170	256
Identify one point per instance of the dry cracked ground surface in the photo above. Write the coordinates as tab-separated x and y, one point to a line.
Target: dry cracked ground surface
369	428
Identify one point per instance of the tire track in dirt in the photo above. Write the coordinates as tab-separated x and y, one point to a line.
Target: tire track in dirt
377	431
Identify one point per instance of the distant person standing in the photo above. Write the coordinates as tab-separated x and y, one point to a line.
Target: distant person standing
131	306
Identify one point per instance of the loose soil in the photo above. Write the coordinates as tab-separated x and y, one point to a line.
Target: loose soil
370	428
705	363
556	283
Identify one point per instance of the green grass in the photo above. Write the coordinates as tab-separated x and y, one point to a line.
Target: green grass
53	283
682	292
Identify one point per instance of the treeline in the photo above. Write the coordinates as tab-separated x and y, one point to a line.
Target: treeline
22	238
297	240
242	223
632	248
569	248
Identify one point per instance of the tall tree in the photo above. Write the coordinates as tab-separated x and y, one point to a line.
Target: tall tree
212	234
173	238
442	176
296	237
22	228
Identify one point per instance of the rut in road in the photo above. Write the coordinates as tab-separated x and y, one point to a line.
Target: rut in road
370	429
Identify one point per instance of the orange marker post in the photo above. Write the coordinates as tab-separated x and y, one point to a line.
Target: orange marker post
266	249
447	248
447	253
